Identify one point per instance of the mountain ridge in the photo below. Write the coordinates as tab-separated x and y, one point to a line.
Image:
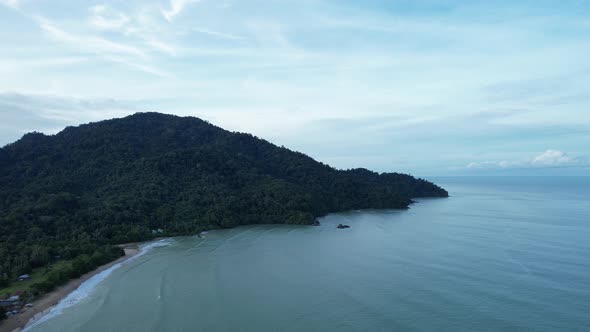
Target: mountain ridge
115	181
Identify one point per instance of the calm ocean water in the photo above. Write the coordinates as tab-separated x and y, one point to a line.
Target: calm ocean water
504	253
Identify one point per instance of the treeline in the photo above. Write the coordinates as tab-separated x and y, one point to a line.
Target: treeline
68	195
60	273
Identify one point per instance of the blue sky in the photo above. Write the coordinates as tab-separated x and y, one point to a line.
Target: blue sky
426	87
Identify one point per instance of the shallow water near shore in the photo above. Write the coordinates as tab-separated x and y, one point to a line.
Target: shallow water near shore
499	254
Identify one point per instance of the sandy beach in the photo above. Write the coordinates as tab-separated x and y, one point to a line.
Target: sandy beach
43	305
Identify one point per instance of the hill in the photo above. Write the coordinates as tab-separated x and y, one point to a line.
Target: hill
87	187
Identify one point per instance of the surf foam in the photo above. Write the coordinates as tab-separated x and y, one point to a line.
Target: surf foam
88	286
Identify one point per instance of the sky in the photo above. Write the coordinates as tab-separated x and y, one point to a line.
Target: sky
428	87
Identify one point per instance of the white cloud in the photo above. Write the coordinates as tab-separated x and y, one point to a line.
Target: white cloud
105	18
50	113
217	34
553	158
140	27
138	66
290	69
547	159
92	44
162	46
17	64
127	55
11	3
494	164
176	7
270	33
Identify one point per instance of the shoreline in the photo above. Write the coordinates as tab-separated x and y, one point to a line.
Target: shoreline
44	305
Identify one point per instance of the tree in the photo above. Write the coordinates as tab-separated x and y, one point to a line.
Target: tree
2	313
76	194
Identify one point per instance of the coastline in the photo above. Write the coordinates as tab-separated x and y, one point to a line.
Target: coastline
43	305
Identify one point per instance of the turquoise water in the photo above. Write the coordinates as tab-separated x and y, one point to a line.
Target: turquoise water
499	254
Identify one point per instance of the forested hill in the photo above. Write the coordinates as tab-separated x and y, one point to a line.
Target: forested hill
117	180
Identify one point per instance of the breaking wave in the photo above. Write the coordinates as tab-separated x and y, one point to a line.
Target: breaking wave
88	286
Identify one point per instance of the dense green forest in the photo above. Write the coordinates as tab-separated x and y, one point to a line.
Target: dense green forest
76	193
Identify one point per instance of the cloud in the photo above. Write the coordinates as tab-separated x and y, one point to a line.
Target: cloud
127	55
339	80
217	34
176	7
553	158
270	33
162	46
139	66
105	18
548	159
14	4
493	164
91	44
142	27
15	64
23	113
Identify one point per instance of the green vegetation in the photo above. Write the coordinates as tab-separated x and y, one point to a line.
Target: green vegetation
71	196
45	279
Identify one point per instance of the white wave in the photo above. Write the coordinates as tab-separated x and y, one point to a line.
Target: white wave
88	286
203	233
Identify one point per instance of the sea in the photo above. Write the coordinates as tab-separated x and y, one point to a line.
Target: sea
500	254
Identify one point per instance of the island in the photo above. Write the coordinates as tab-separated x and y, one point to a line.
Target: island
67	200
